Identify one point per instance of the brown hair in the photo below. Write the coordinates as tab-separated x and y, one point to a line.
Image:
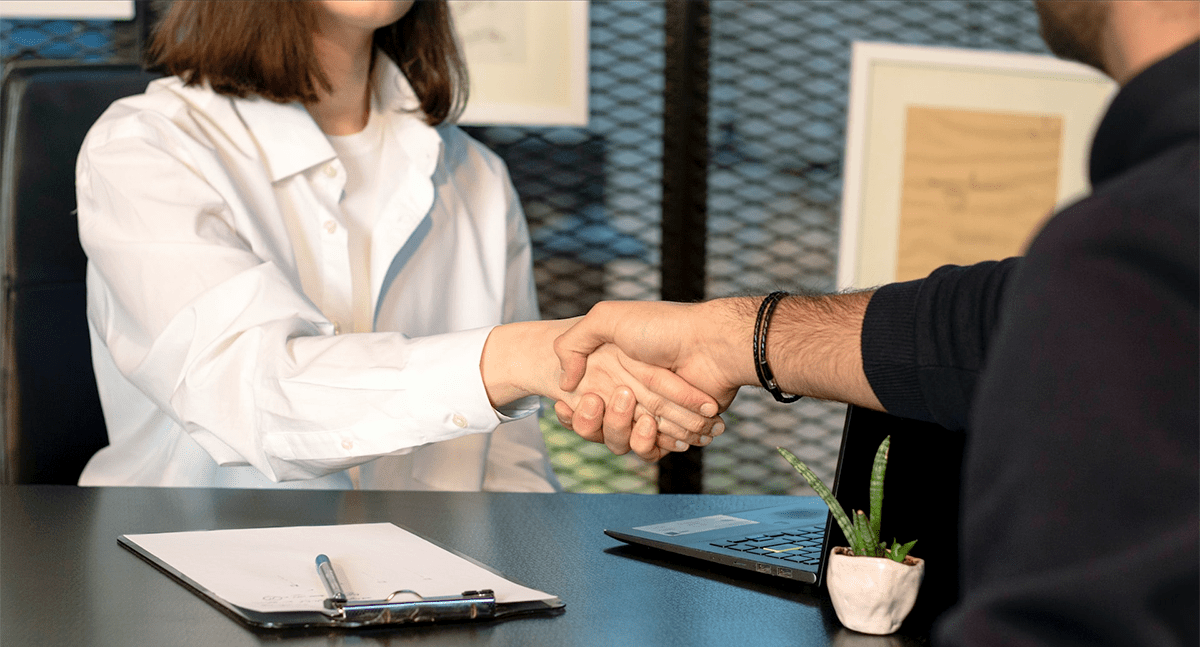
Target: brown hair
266	48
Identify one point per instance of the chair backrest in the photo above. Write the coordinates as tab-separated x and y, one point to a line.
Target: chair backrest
52	421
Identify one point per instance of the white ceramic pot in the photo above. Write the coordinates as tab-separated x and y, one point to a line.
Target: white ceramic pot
872	594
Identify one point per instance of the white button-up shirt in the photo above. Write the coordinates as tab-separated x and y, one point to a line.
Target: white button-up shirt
219	280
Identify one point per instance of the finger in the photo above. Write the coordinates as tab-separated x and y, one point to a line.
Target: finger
674	420
669	445
657	391
588	420
617	436
683	438
565	414
573	347
673	388
618	420
669	430
679	438
644	440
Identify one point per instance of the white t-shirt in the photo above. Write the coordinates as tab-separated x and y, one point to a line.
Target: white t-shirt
220	277
368	168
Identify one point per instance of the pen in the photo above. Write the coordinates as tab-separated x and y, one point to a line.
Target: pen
332	586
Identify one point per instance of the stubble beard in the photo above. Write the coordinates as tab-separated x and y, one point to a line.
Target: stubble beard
1074	29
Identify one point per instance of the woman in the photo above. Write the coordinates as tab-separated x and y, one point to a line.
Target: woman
297	267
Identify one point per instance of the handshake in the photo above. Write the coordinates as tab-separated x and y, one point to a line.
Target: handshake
652	377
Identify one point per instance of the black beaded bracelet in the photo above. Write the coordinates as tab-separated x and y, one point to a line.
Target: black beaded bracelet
765	376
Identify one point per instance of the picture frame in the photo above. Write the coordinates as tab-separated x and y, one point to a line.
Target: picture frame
528	61
68	9
957	156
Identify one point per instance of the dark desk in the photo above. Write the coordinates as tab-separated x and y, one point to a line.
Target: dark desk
65	581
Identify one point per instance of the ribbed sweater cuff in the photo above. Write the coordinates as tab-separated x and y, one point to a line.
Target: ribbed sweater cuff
889	349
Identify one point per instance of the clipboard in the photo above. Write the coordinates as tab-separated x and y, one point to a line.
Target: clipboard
189	557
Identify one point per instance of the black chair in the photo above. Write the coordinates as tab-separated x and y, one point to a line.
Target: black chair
52	421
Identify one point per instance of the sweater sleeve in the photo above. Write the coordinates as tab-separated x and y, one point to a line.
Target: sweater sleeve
924	342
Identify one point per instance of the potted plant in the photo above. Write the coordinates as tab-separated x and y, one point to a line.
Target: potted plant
872	586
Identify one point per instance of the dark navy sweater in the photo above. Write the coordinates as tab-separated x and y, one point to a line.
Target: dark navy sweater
1075	373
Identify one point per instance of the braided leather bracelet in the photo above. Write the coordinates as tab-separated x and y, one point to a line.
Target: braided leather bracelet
765	376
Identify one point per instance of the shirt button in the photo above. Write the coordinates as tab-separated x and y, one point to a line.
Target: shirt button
337	328
330	170
347	444
330	226
460	421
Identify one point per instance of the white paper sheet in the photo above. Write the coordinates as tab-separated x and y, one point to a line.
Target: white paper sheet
274	569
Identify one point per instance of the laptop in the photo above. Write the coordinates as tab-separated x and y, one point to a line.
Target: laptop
791	541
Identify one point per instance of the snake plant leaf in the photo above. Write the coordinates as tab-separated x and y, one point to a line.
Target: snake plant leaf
835	508
878	469
899	552
865	546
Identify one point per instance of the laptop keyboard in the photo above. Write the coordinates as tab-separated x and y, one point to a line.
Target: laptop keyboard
799	546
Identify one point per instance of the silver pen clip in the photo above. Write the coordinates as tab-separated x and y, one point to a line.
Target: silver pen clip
336	596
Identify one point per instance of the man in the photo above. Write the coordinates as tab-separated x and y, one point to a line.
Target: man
1075	369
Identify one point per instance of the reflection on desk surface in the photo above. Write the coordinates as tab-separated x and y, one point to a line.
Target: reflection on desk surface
60	552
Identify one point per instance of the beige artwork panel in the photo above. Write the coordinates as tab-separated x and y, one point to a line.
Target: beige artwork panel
976	185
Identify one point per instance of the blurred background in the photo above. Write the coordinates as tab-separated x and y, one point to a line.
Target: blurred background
711	166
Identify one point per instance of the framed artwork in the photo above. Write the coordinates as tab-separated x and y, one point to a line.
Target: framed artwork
958	156
68	9
528	61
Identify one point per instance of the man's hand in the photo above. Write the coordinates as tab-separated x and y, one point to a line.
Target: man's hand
813	345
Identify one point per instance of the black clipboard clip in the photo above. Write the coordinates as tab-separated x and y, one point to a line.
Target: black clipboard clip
470	605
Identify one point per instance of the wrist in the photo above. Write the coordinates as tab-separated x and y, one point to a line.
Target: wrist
509	363
731	337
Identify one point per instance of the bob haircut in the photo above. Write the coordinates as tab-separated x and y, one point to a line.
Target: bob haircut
266	48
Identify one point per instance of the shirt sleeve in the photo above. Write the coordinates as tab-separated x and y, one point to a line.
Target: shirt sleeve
924	342
228	345
520	289
517	457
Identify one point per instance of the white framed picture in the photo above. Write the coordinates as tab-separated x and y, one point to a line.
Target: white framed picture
957	156
68	9
528	61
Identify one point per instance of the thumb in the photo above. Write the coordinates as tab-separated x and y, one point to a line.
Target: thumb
573	347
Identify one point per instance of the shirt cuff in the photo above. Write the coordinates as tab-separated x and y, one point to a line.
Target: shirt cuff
517	409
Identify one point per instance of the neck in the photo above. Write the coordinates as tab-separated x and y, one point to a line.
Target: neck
345	58
1141	33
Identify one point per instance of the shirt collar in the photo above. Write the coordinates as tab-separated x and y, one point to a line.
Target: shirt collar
1153	111
290	140
392	88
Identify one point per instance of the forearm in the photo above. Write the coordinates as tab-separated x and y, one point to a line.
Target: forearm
813	344
814	347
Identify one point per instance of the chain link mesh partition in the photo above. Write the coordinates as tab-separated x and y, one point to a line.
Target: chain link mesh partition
778	74
779	79
81	40
592	198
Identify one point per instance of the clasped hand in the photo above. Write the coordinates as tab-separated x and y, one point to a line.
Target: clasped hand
625	403
673	345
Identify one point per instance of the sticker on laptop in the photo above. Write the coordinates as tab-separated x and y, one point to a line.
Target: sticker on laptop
690	526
